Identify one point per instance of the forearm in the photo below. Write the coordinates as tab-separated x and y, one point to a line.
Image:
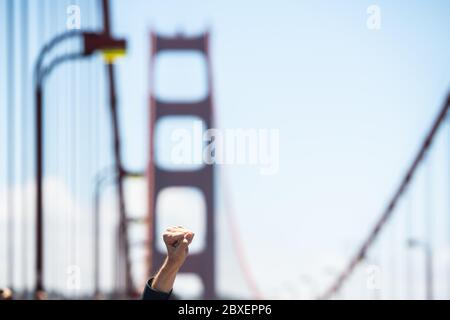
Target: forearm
177	240
165	277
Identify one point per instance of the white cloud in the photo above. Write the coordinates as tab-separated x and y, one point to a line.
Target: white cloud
68	237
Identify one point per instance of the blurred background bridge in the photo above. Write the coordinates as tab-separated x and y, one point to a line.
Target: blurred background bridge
95	93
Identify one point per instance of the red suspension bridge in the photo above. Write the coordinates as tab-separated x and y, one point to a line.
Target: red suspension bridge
63	112
124	282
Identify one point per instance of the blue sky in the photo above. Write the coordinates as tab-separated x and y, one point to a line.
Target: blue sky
351	105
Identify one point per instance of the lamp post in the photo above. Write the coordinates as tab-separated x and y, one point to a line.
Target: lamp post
425	246
93	42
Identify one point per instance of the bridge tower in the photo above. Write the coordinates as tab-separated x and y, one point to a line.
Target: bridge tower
202	263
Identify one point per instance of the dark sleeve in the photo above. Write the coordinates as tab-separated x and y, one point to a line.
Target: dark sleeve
152	294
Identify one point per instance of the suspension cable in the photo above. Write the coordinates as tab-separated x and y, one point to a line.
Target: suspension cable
362	251
11	104
236	239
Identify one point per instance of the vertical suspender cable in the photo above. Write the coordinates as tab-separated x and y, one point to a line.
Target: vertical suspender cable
76	159
39	174
49	237
24	142
237	240
3	234
409	265
52	98
58	145
11	140
448	208
95	154
91	151
71	146
428	241
67	131
393	261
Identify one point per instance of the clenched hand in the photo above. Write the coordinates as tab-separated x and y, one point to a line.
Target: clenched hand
177	241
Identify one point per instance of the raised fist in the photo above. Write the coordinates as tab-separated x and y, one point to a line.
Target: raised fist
177	241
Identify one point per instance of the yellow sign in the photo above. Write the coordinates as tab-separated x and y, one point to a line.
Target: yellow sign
110	55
